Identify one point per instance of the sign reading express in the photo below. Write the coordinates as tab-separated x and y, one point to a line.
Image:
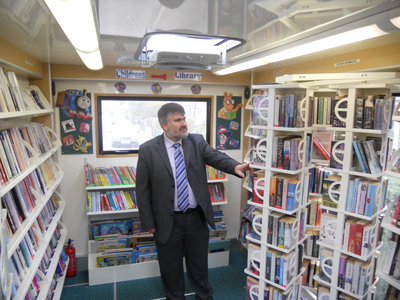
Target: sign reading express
130	74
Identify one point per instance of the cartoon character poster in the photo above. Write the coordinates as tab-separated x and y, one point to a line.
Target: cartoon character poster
229	119
76	121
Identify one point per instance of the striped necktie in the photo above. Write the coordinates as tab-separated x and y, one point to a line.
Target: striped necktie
181	179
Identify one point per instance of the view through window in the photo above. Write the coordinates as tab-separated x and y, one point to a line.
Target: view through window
124	123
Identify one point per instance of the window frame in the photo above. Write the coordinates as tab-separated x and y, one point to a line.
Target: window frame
100	152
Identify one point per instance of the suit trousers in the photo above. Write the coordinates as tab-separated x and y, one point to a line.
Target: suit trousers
189	237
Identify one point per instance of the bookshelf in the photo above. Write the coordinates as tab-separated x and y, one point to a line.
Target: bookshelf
264	132
147	269
29	181
332	241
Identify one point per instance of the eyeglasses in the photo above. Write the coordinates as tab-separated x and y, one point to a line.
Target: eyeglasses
230	101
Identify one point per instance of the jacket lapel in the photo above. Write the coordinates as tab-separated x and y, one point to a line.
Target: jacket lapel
187	147
162	151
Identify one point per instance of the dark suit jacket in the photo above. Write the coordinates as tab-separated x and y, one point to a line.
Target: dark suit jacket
155	185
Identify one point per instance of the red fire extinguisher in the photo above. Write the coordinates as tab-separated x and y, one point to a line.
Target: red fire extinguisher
70	250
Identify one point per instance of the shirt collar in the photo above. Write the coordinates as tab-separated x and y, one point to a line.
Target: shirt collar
169	143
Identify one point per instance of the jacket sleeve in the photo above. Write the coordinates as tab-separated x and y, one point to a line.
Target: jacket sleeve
143	192
218	159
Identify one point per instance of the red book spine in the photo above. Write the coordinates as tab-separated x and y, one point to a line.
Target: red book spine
107	202
321	148
396	212
358	238
352	238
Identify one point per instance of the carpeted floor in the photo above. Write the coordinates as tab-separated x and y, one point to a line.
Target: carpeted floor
229	283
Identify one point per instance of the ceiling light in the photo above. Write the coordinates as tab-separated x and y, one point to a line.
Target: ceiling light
396	21
329	42
92	60
77	20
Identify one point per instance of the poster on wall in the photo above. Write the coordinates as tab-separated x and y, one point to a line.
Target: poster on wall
228	122
75	121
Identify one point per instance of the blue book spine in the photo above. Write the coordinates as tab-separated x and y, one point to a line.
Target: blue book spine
287	109
94	205
290	197
291	111
281	270
372	201
350	195
278	270
114	197
355	192
359	157
365	212
311	185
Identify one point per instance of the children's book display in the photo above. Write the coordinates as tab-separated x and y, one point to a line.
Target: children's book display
33	259
348	191
117	243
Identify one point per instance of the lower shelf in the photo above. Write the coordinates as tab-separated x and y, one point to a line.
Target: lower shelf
60	283
141	270
389	279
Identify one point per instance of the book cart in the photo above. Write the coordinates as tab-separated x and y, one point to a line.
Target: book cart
333	234
141	270
260	154
42	198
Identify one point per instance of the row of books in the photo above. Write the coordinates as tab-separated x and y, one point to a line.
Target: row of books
213	173
317	175
23	256
125	251
270	292
311	267
111	229
352	273
111	200
391	259
357	234
314	211
13	97
311	247
280	267
217	192
286	114
14	156
367	156
392	293
244	230
396	214
20	203
101	176
323	292
373	112
282	190
362	194
220	230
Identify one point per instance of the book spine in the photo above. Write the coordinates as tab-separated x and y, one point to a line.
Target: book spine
358	238
396	212
342	272
321	148
286	155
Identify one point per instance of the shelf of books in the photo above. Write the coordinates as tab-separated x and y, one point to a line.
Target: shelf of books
279	190
119	250
350	190
29	177
7	279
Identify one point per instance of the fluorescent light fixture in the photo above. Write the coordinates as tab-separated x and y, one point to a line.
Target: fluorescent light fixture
396	21
77	20
183	41
92	60
330	42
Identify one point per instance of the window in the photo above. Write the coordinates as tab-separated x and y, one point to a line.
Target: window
126	122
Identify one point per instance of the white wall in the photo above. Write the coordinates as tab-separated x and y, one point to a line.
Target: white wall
73	185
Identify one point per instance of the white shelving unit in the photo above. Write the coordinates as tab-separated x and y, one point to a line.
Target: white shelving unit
262	151
18	119
137	270
360	84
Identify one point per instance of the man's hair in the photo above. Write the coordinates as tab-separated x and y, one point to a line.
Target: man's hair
167	109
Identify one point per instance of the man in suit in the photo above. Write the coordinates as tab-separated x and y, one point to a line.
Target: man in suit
177	210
